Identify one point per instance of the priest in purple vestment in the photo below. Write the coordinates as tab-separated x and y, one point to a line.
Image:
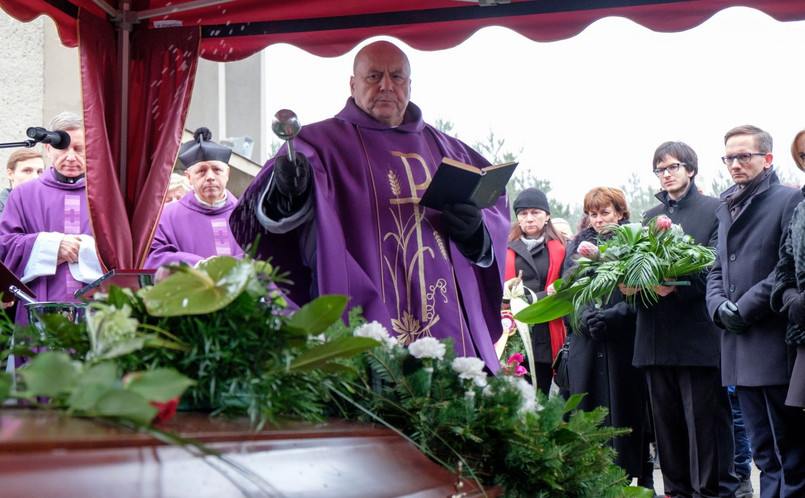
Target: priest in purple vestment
344	217
197	226
45	233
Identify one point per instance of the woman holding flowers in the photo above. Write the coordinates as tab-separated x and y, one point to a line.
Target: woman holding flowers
602	339
536	252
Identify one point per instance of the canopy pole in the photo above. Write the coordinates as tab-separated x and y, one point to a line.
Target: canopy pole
125	20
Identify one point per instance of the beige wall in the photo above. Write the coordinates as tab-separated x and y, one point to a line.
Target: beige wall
21	82
40	77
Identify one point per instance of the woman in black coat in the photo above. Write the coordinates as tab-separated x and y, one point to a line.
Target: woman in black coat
536	252
788	291
602	343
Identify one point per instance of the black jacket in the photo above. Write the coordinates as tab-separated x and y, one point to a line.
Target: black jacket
677	330
603	369
790	270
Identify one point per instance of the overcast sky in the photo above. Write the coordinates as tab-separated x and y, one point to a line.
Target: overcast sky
590	110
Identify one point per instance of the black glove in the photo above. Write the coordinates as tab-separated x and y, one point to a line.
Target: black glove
463	221
465	226
793	304
730	318
292	178
597	325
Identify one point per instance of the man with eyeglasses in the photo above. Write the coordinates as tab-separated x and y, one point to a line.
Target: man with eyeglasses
677	347
753	215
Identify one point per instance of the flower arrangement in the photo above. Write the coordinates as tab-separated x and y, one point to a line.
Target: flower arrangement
496	427
235	349
637	258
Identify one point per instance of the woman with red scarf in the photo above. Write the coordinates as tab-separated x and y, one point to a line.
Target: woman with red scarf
537	249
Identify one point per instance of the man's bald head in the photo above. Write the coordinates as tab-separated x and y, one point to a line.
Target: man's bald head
381	82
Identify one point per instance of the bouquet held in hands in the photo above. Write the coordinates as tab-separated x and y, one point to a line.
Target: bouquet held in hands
640	260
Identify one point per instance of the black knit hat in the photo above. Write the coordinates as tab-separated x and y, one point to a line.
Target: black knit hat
202	148
531	198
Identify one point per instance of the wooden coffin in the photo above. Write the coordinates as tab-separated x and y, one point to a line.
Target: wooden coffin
45	454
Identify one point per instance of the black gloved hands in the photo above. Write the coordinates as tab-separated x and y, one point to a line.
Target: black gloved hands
597	325
462	221
592	324
465	226
795	307
730	318
292	178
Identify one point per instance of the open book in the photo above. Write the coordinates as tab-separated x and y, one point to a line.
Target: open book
455	181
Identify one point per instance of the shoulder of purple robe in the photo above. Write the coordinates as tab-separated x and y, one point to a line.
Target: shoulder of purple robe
23	220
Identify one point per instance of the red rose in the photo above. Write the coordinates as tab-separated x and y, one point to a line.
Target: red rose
166	410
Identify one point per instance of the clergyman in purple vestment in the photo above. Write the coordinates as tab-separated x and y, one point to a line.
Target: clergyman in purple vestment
344	217
197	226
45	232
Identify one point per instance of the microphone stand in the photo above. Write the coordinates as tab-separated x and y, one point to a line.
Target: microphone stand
26	143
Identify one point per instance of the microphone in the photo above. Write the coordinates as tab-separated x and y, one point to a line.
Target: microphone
58	139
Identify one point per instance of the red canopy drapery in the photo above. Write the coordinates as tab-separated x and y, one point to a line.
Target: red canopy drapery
161	72
167	37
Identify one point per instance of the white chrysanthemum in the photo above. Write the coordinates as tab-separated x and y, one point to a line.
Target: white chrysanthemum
427	347
375	330
470	369
527	395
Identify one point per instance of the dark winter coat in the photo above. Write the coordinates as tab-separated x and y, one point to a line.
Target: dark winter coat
790	270
677	330
603	369
540	268
746	256
790	274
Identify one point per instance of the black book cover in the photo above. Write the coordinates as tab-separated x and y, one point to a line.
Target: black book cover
455	181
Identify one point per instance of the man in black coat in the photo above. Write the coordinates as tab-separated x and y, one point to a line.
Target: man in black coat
753	216
677	346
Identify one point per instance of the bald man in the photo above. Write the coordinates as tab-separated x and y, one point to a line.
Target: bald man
344	217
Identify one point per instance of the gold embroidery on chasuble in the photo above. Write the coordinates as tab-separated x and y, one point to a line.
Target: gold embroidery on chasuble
416	270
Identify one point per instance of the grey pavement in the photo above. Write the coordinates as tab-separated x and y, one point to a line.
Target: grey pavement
755	477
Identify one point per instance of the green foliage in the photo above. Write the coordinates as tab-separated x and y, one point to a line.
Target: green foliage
95	390
502	434
246	353
635	256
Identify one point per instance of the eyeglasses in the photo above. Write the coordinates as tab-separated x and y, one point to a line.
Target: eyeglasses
742	158
671	168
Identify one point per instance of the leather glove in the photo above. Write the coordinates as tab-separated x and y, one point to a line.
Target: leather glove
730	318
292	178
465	226
462	221
597	325
793	304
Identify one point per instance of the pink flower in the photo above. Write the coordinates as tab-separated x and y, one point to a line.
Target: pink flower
588	250
663	223
515	358
520	371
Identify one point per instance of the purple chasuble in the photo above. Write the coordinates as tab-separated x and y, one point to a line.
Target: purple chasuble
190	232
43	205
375	244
